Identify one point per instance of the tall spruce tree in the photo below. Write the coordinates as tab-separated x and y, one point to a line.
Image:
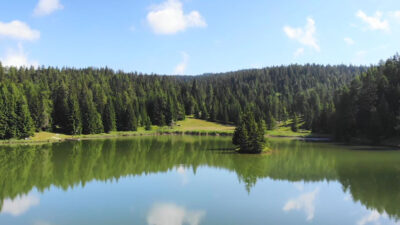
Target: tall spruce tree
249	134
109	119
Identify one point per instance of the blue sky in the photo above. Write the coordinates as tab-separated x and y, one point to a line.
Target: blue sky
197	36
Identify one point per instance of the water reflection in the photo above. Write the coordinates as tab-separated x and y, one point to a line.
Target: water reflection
371	178
305	202
181	170
19	205
374	217
172	214
41	223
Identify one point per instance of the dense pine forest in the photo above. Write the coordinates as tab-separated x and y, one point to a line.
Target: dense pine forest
347	101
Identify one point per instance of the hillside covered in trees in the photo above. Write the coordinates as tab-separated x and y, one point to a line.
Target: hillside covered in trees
369	107
75	101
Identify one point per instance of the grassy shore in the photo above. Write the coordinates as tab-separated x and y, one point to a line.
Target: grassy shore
189	126
284	129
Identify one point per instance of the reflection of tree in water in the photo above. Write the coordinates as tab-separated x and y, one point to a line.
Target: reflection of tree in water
372	178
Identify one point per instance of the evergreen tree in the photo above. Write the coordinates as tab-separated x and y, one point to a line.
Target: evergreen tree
271	122
222	97
91	119
249	135
109	120
131	120
24	123
295	123
74	125
147	123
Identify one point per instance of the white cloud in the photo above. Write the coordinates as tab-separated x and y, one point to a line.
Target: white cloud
181	67
169	18
171	214
395	15
304	202
46	7
349	41
17	58
298	52
18	30
374	22
19	205
305	36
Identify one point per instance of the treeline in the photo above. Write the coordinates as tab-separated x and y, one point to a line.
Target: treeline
75	101
368	107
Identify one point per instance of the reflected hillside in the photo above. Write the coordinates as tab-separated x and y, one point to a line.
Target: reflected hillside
372	178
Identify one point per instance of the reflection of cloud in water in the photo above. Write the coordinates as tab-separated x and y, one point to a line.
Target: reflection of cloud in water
182	171
374	217
299	186
171	214
19	205
304	202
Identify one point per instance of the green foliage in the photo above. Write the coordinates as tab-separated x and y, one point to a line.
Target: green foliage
249	135
369	107
130	120
270	122
295	123
109	119
74	101
147	123
74	123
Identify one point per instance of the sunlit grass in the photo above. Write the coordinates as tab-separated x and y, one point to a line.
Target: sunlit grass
284	129
190	126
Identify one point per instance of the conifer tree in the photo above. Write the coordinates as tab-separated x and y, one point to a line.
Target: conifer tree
24	123
109	120
74	116
249	135
147	123
270	122
295	123
131	120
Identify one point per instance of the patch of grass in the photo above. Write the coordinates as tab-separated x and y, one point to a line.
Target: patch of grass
284	130
192	124
189	126
44	136
39	137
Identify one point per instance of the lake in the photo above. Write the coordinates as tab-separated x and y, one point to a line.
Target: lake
174	180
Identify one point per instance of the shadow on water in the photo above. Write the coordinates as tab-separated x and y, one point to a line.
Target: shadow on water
366	147
373	179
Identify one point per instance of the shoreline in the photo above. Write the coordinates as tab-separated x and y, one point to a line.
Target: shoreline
58	138
112	135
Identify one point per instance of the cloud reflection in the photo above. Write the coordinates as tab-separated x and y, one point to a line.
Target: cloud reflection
19	205
304	202
171	214
376	218
182	172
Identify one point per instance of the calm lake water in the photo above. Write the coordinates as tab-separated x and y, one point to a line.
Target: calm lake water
174	180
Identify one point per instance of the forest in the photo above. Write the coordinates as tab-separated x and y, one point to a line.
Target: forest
345	101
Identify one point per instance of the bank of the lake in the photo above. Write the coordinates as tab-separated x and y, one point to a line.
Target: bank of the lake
189	126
